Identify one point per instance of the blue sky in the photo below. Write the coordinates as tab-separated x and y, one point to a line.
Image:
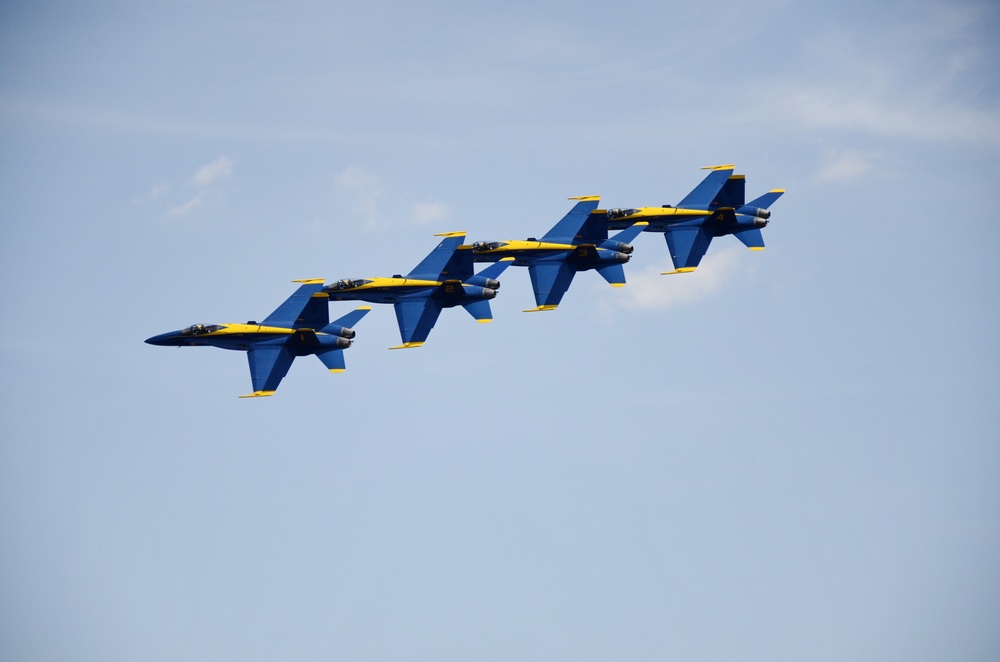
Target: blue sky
789	454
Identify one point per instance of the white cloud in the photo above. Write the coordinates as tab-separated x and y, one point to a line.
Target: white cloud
180	210
210	172
428	212
846	165
649	290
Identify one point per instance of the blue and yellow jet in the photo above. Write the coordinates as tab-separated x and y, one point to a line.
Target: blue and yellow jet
299	327
714	208
443	279
579	242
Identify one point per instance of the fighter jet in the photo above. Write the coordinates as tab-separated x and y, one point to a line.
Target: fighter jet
299	327
443	279
714	208
579	242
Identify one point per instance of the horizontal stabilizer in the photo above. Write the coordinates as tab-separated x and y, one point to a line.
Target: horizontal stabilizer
480	310
333	359
631	232
752	238
353	317
613	273
768	199
494	270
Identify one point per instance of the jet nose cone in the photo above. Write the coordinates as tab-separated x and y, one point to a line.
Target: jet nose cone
164	339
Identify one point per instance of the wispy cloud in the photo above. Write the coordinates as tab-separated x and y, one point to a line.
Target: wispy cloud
649	290
200	188
210	172
184	208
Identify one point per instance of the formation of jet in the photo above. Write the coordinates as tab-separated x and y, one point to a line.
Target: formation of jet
579	242
443	279
715	207
446	277
298	327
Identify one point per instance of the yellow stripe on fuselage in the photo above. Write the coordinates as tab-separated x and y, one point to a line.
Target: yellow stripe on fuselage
381	283
517	246
658	212
248	329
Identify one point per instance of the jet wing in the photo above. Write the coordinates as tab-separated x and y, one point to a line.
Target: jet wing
687	246
416	318
567	230
307	307
550	280
704	193
268	365
430	267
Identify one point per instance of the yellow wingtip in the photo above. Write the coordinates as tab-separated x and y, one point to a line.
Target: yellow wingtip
585	198
507	259
617	284
682	270
727	166
541	309
756	248
363	308
407	345
309	281
337	369
485	321
450	234
258	394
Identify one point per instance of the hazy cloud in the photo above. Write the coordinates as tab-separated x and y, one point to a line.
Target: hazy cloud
181	209
210	172
200	187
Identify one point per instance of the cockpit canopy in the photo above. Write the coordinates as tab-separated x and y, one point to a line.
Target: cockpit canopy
347	283
201	329
620	213
481	246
